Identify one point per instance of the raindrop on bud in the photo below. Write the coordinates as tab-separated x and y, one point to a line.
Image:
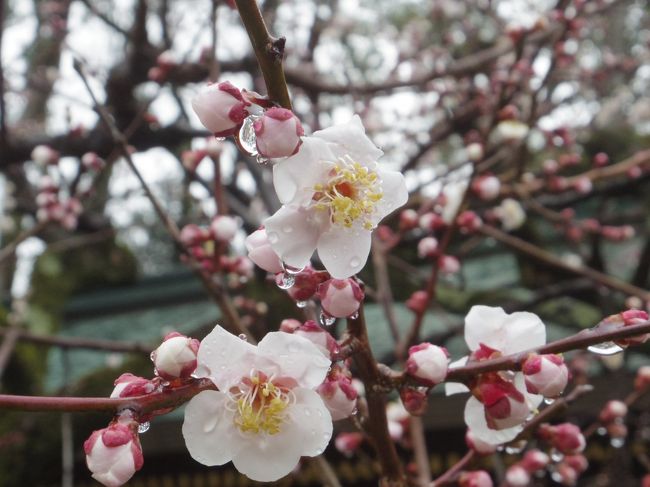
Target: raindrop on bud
247	135
326	320
143	427
285	281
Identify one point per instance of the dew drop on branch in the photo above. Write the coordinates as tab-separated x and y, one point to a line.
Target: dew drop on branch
605	348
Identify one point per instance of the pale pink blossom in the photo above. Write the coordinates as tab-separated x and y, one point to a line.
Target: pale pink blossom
224	228
489	329
175	358
340	297
487	187
334	194
545	374
266	414
261	253
511	214
277	133
428	363
114	454
221	108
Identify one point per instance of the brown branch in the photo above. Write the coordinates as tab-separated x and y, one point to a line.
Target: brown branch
268	50
547	258
167	398
376	423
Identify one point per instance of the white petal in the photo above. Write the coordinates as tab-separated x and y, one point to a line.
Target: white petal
311	422
294	178
344	251
508	333
226	357
209	430
293	234
394	192
475	421
452	388
296	356
350	139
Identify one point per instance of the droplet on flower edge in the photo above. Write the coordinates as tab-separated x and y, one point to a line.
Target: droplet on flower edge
285	281
326	320
289	269
247	139
144	427
242	336
605	348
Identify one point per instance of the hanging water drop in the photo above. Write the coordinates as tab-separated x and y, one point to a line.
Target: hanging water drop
285	281
617	442
556	456
602	431
326	320
549	401
301	304
262	160
605	348
247	138
219	139
288	268
354	315
143	427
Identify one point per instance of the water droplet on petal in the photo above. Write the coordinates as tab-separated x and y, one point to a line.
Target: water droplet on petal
143	427
287	229
247	135
220	139
285	281
273	237
354	262
548	400
301	304
605	348
326	320
242	336
307	412
152	356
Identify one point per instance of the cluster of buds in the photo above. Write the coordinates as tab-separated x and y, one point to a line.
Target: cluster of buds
612	418
566	438
223	108
114	454
51	208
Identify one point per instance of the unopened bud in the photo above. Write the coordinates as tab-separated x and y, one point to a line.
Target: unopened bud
428	363
221	108
175	358
340	298
545	374
278	133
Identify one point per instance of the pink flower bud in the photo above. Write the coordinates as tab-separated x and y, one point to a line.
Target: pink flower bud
348	443
278	133
601	159
629	318
535	460
550	166
418	302
221	108
476	478
577	462
224	228
642	379
175	358
92	162
448	264
290	325
468	221
428	363
408	219
634	172
260	252
414	400
337	393
566	437
44	155
505	406
565	474
129	385
431	221
306	284
427	247
545	374
114	454
612	411
583	185
478	445
486	187
517	476
192	235
340	297
319	337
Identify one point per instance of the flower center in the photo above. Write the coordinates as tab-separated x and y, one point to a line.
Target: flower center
260	405
351	193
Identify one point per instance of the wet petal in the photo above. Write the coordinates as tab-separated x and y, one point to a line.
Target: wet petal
394	192
350	139
297	357
209	430
508	333
344	251
226	357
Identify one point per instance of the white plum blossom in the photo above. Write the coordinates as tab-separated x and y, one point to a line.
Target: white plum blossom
490	328
334	194
266	414
511	214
